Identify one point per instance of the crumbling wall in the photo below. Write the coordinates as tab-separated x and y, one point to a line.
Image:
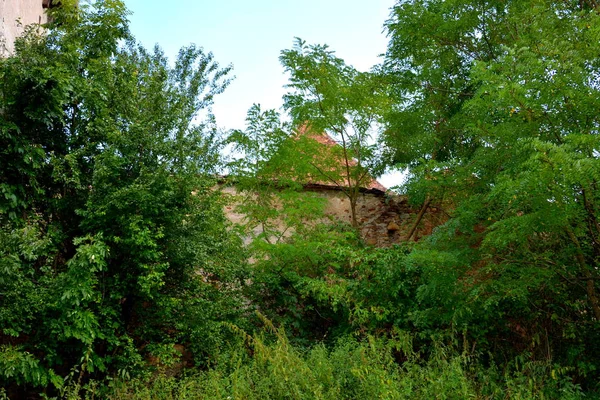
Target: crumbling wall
384	218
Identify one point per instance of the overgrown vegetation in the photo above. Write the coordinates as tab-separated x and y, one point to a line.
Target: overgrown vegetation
121	278
113	247
354	369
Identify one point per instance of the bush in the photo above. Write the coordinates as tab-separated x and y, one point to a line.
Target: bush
112	244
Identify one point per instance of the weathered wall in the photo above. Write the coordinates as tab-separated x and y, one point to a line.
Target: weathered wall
14	16
385	219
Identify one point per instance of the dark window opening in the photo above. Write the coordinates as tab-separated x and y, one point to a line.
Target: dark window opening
50	3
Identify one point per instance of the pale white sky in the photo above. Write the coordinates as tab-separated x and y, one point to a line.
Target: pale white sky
251	34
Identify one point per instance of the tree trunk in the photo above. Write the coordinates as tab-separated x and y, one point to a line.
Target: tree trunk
353	201
419	217
590	286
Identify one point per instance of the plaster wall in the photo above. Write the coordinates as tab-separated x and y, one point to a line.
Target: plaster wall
384	219
15	15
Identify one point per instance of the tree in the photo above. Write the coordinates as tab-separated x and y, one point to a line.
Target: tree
328	96
268	176
496	114
112	243
432	49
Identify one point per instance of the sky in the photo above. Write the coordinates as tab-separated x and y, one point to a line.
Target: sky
250	36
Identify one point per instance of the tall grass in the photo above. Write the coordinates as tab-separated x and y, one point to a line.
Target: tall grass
353	369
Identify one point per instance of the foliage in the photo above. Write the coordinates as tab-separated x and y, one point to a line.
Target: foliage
268	175
352	369
328	96
496	114
110	236
328	284
116	258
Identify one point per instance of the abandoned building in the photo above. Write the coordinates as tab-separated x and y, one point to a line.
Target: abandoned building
384	217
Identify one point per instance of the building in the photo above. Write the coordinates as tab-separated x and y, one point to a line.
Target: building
15	15
383	218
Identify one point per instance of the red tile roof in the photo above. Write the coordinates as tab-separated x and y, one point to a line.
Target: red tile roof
324	139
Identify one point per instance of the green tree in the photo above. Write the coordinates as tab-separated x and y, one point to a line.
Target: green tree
296	252
431	51
497	116
268	174
328	96
111	239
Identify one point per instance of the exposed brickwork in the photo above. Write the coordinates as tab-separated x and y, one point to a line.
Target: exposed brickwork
385	219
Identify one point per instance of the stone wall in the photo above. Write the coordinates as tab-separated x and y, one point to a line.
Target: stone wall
14	16
385	218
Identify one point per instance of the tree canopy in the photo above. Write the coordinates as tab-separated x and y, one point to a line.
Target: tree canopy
111	242
495	115
116	259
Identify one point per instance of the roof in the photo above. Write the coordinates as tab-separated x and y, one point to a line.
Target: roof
326	140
